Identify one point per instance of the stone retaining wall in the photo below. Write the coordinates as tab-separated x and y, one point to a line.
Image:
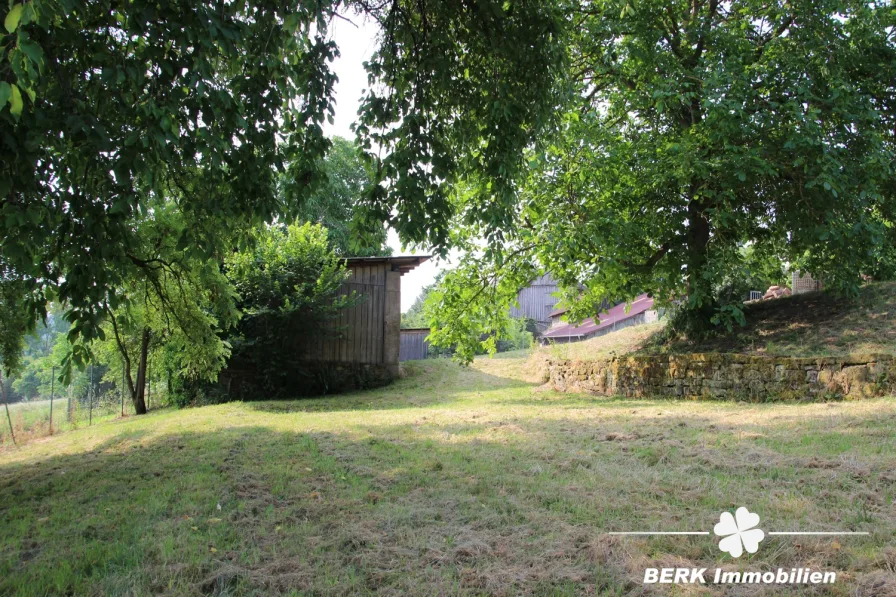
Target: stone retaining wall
715	376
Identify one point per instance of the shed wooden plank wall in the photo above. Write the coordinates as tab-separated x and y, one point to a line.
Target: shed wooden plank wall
413	345
536	300
360	327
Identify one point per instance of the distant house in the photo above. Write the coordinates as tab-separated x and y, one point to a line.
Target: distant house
613	319
537	301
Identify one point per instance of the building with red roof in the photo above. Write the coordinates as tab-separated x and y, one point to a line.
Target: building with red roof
620	316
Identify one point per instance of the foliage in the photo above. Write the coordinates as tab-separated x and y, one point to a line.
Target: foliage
468	310
694	129
41	357
14	320
333	204
517	336
174	306
436	301
287	284
107	110
458	91
752	269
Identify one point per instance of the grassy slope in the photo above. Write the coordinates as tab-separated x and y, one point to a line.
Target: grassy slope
452	481
813	324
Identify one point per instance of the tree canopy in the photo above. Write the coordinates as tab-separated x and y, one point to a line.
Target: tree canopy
334	203
624	146
691	131
192	104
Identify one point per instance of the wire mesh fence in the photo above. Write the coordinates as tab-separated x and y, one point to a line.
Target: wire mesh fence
66	411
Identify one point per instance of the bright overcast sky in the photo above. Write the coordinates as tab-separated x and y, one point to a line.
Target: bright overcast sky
356	44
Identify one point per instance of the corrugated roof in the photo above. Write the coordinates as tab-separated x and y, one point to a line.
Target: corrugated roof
607	318
400	263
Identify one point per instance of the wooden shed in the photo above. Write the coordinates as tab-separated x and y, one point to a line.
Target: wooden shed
414	346
369	334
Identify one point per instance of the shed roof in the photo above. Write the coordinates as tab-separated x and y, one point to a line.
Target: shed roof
400	263
606	319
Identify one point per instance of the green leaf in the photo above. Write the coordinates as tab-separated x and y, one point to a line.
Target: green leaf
13	17
15	101
5	92
33	51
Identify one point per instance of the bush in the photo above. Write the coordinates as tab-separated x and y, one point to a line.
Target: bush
288	285
518	336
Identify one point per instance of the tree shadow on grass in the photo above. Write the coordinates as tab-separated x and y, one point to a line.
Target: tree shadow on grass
500	503
426	383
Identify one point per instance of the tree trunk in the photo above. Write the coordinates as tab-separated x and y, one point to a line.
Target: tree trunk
6	405
700	296
139	389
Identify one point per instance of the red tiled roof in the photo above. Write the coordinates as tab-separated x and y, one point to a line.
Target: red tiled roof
607	319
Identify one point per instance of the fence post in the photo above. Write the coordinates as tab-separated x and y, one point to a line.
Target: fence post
52	392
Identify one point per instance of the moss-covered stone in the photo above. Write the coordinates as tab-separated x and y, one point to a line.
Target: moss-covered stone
719	376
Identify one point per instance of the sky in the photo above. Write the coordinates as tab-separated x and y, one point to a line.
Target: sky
356	44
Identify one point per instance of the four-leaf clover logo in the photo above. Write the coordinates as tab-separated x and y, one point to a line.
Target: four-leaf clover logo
739	532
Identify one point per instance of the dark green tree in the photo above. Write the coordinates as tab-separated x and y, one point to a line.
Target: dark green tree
109	108
691	129
335	202
175	303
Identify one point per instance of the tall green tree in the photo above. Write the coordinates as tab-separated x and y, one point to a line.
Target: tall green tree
175	305
334	204
692	128
106	108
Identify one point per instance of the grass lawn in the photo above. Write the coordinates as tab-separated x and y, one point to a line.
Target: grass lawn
451	481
